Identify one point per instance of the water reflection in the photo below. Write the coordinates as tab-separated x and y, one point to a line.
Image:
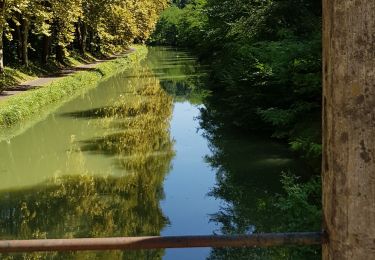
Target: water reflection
85	206
135	135
180	74
138	126
99	166
248	171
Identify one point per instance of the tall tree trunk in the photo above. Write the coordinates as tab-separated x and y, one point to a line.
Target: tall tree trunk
45	48
25	42
1	51
19	41
78	34
2	23
81	34
60	53
83	38
91	40
349	129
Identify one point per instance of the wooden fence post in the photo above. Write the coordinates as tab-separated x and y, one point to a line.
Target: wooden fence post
349	129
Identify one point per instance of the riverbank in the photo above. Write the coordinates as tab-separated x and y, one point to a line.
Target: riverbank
22	106
19	79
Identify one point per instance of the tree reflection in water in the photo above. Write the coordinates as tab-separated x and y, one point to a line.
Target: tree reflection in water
137	137
248	181
181	75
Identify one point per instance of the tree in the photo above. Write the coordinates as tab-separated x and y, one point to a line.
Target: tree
57	26
35	13
65	14
2	27
349	123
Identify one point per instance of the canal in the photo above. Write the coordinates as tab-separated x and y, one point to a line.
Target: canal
134	157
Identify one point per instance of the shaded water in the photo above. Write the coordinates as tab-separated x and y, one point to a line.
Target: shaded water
129	159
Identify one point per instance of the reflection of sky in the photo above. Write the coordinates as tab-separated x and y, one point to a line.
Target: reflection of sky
57	140
187	204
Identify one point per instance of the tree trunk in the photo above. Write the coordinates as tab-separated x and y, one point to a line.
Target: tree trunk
60	53
19	41
45	49
2	23
78	34
1	51
81	34
25	42
83	38
91	40
349	129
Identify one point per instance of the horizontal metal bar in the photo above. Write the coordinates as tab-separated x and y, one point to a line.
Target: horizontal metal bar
133	243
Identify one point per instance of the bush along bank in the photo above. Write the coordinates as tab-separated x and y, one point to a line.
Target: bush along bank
266	64
27	105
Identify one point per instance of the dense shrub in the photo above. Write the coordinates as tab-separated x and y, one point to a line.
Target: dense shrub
266	60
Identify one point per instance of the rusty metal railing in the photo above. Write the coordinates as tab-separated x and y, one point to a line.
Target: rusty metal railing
134	243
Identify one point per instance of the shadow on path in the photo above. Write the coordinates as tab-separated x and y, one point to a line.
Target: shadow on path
43	80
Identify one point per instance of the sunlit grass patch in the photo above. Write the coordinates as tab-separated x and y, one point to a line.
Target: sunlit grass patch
25	105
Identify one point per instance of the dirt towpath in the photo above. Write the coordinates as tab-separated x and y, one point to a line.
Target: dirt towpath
43	80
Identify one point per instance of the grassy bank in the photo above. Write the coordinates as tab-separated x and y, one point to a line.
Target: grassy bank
31	103
16	74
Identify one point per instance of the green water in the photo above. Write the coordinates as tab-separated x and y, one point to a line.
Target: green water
130	158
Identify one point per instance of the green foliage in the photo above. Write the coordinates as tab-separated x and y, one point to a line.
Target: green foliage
301	204
25	105
55	27
248	172
63	20
266	58
166	31
300	209
182	27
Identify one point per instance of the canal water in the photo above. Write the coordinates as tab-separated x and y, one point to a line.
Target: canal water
132	158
